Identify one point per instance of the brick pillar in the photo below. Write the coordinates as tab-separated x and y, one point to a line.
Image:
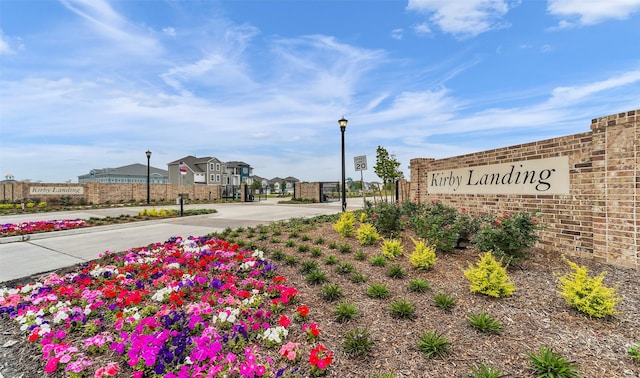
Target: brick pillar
419	168
616	205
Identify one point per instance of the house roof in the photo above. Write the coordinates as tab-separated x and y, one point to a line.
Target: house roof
131	170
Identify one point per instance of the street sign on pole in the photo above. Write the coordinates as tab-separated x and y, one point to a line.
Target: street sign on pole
360	162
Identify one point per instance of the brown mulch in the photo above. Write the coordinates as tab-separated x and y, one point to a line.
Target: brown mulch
534	316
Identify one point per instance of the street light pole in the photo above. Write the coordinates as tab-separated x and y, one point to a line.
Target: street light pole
148	176
343	125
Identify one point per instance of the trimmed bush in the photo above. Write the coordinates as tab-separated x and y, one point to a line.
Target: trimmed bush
588	294
489	277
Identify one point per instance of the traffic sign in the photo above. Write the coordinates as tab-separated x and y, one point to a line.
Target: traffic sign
360	162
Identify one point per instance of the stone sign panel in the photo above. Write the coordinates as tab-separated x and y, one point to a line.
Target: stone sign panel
541	176
56	190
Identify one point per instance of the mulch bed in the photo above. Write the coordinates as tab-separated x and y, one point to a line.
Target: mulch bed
534	316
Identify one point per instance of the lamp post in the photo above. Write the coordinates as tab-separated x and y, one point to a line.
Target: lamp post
148	176
343	125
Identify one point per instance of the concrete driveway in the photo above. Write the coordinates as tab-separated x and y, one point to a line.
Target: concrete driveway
53	250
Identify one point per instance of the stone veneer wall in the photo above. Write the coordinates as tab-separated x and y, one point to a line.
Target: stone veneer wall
599	218
100	193
307	191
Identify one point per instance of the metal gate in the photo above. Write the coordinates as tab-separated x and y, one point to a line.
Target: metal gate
231	191
329	191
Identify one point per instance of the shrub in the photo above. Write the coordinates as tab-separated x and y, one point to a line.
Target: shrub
396	271
345	268
386	217
423	256
508	235
357	277
378	291
331	260
437	231
360	256
316	252
402	309
484	323
432	344
357	342
316	277
331	292
588	294
392	248
418	285
484	371
489	277
445	301
290	260
550	365
344	248
345	311
378	260
308	266
634	352
367	234
345	225
319	240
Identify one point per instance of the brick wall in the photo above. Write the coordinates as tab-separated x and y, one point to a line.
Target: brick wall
99	193
598	218
307	191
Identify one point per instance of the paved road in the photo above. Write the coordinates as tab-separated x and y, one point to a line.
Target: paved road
53	250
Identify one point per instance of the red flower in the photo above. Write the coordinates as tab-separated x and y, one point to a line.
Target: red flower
284	321
303	310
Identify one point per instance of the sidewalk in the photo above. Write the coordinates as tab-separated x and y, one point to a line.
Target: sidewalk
44	252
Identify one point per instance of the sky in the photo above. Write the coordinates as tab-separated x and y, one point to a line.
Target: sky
90	84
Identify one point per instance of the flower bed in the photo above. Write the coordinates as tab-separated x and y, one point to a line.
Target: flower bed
183	308
11	229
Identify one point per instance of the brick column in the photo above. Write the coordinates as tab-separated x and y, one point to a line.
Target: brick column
616	203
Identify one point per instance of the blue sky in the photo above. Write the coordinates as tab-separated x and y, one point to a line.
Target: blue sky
93	83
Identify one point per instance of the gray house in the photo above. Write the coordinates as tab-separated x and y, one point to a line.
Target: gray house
128	174
191	170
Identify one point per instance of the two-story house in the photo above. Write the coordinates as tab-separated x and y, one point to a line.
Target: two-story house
191	170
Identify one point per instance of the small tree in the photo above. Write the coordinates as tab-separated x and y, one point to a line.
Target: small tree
387	166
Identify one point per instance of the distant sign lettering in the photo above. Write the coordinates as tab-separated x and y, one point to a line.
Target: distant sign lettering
56	190
542	176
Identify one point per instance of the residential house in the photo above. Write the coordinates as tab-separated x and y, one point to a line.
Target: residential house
238	172
128	174
191	170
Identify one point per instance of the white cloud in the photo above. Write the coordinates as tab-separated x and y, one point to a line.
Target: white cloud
422	28
112	26
564	96
4	46
591	12
169	31
466	18
396	33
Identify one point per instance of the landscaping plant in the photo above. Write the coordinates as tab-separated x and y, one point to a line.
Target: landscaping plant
508	235
432	344
547	364
367	234
345	226
392	248
489	277
357	342
423	256
588	294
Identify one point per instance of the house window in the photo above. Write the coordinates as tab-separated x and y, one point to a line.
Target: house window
211	166
212	177
218	167
217	178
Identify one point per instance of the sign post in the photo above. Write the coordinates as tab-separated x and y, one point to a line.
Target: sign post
360	163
